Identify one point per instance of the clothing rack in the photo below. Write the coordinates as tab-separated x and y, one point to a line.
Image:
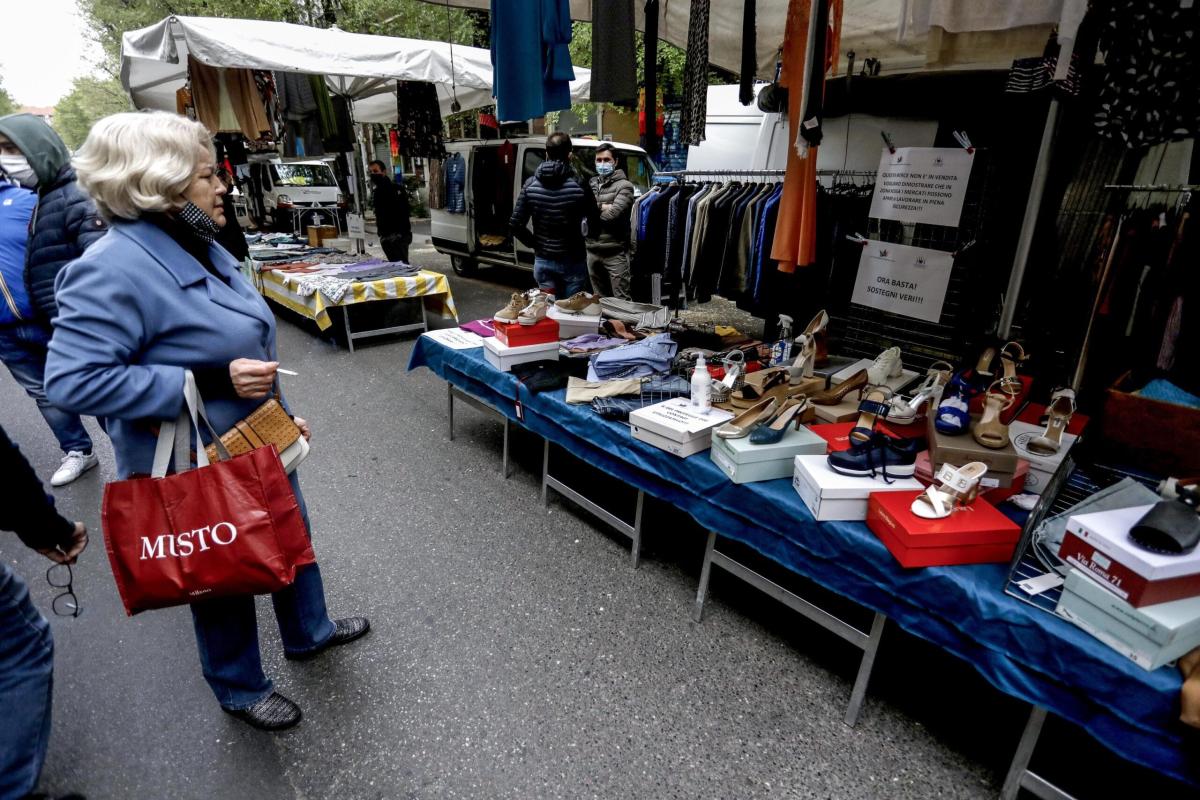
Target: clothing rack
1146	187
754	173
847	173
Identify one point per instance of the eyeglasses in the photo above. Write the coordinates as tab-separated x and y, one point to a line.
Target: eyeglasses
65	604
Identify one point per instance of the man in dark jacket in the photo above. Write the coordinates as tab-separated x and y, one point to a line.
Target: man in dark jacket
559	203
26	646
24	333
231	236
391	213
608	246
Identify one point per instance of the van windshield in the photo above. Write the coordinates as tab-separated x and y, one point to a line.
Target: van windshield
639	169
302	175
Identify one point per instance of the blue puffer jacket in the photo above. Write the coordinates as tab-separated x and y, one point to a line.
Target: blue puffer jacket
558	203
64	225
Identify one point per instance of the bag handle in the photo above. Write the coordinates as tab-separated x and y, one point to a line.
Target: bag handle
175	434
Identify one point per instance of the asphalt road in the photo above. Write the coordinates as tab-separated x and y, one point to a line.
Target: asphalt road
514	653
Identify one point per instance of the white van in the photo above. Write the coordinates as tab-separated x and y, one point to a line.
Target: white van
292	194
496	169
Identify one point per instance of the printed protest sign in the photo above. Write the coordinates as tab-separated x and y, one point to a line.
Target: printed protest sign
922	184
909	281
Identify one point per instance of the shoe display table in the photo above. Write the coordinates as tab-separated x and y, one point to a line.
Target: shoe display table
1021	650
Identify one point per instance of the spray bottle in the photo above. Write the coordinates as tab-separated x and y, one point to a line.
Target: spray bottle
781	351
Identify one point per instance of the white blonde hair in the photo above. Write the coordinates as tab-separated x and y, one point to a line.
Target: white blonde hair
140	162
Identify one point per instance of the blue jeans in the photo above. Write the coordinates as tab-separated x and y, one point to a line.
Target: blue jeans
227	632
26	665
23	351
560	278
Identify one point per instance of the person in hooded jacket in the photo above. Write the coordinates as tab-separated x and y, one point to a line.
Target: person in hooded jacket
559	204
38	234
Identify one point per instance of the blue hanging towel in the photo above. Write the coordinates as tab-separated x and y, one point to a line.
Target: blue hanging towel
531	37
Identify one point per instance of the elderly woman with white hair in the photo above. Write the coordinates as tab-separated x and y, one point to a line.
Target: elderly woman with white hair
156	297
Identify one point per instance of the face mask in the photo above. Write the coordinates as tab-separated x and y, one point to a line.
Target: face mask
17	168
605	168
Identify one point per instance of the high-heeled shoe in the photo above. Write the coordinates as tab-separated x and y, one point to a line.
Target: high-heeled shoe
953	412
816	334
959	487
772	431
834	395
743	423
887	365
1058	416
984	372
752	393
802	367
908	411
874	407
1012	355
989	431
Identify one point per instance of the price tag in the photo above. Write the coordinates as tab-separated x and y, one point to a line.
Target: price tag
520	409
1042	583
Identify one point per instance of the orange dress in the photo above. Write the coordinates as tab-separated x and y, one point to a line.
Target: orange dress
795	242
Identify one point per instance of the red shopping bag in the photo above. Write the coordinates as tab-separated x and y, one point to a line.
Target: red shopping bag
228	528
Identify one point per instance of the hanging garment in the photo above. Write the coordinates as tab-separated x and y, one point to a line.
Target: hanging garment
183	103
614	55
531	38
1148	86
419	120
298	108
1035	74
650	75
435	183
213	107
264	83
695	75
749	54
814	77
456	184
247	104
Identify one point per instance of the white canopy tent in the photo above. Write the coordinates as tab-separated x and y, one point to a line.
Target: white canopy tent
356	65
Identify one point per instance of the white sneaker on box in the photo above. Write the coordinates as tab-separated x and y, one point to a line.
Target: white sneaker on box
535	312
73	465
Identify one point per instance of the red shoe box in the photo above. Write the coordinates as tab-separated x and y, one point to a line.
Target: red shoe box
995	495
1005	416
1033	415
837	434
514	334
912	430
976	534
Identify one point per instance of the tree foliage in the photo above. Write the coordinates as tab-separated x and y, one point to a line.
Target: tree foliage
90	99
7	104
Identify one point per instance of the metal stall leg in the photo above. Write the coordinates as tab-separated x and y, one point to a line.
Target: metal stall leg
634	531
637	530
859	692
450	409
1019	777
504	461
545	472
349	335
705	573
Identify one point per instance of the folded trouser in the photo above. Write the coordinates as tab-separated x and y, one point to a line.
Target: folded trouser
641	315
581	391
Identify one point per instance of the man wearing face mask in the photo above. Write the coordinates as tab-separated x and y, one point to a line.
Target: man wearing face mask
391	213
608	248
64	223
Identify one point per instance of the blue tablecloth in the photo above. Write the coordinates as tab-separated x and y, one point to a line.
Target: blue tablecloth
1021	650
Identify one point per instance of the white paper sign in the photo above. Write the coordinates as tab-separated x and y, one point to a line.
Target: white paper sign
910	281
456	338
922	184
355	226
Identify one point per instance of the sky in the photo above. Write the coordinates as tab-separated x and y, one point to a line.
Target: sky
44	47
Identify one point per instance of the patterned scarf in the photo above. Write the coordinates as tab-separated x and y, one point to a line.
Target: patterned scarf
198	223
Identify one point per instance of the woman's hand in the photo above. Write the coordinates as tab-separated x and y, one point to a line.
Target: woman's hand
302	424
252	379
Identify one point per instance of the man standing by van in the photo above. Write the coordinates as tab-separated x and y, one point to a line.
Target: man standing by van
608	243
391	213
559	203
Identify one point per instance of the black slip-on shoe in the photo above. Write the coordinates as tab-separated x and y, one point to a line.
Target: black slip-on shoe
273	713
344	631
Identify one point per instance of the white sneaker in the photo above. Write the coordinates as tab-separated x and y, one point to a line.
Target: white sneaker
74	464
887	365
535	311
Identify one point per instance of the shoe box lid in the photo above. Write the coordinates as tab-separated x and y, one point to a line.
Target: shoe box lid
1022	432
514	334
676	448
962	448
794	443
572	325
845	411
992	482
895	384
1108	533
502	349
815	471
979	523
678	420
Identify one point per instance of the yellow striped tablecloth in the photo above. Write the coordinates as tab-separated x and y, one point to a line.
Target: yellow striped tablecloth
431	287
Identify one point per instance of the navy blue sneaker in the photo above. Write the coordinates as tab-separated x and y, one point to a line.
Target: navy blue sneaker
881	455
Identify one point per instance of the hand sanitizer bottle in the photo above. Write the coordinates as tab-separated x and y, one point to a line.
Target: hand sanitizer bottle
701	386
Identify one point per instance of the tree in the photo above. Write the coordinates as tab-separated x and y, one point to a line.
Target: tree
89	100
7	104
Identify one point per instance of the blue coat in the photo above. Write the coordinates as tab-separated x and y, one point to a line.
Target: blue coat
134	311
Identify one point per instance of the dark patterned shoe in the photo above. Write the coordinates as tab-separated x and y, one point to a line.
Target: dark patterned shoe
273	713
344	631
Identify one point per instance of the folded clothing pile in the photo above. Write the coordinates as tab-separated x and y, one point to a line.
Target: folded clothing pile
651	356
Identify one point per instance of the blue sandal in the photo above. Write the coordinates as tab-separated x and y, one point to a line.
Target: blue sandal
874	407
953	412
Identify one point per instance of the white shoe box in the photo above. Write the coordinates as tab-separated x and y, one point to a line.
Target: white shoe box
572	325
895	384
830	495
677	426
504	358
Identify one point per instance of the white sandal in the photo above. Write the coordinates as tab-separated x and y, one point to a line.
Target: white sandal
907	411
959	487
